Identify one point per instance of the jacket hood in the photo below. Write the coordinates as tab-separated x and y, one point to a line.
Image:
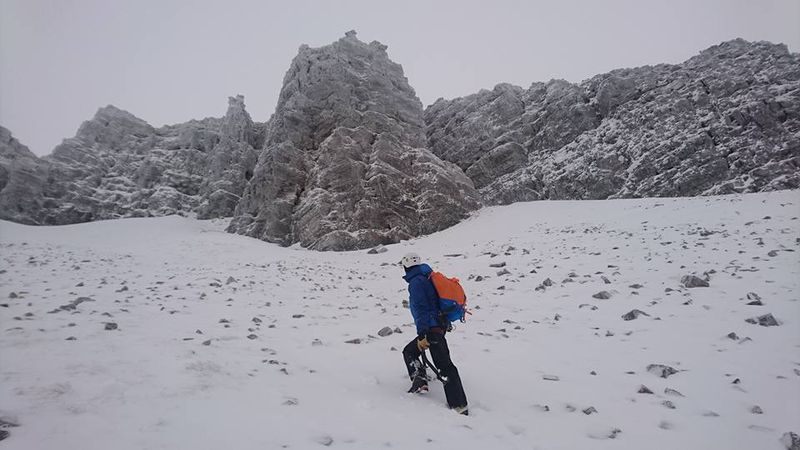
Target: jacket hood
413	271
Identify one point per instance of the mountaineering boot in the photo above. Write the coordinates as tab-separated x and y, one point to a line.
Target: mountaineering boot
461	410
418	386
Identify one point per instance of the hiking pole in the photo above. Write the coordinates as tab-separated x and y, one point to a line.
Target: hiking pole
433	368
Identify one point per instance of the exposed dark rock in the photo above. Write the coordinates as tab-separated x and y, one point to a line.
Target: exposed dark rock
602	295
791	440
111	326
692	281
767	320
661	370
672	392
634	314
385	331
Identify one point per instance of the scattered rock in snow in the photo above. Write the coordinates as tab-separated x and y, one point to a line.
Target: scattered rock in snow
13	295
208	342
772	253
230	280
665	425
71	306
586	305
316	342
634	314
385	331
252	336
589	410
636	286
547	282
325	440
710	414
550	377
503	272
111	326
498	265
661	370
353	341
290	401
732	336
377	250
602	295
767	320
668	404
605	280
791	440
672	392
644	390
692	281
756	410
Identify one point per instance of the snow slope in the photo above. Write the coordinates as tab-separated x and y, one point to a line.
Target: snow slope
278	371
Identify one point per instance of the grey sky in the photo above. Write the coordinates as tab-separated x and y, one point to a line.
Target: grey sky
170	61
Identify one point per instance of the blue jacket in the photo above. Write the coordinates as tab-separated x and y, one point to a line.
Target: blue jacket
423	299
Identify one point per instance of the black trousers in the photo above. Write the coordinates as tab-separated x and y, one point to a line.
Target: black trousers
453	390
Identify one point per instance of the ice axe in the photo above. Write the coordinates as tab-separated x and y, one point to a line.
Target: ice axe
433	368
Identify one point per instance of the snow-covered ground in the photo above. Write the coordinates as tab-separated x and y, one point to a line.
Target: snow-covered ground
223	341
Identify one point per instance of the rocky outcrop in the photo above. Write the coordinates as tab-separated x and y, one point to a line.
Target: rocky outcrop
119	166
344	164
725	121
349	160
21	179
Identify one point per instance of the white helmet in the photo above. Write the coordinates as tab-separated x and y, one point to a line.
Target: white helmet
411	259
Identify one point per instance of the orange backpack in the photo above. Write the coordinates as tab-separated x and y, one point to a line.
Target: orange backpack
452	299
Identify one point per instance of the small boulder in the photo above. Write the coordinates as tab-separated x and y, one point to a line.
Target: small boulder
672	392
111	326
644	390
377	250
661	370
791	440
767	320
385	331
692	281
634	314
602	295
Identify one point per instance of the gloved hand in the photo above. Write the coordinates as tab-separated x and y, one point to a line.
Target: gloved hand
422	343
